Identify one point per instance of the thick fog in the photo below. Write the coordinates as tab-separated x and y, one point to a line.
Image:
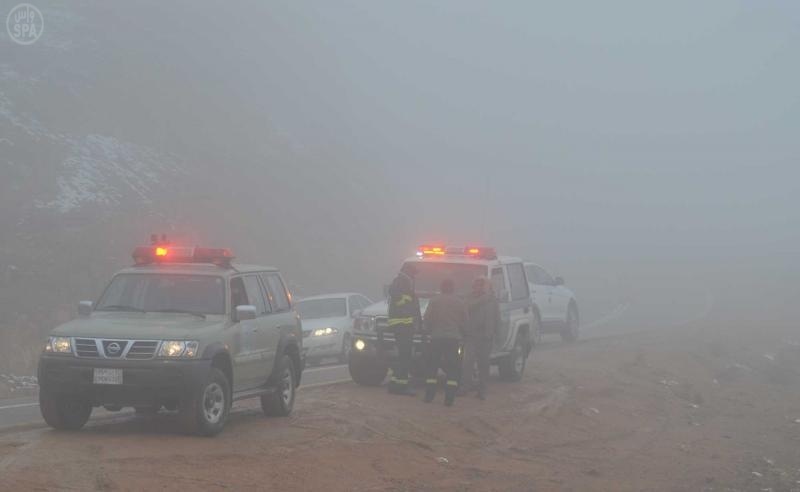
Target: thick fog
647	153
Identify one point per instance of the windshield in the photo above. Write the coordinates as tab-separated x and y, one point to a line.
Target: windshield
159	292
322	308
430	275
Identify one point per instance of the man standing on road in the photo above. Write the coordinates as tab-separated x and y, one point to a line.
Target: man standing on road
404	320
445	319
483	322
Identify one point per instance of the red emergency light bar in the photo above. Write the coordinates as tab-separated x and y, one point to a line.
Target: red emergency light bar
481	252
145	255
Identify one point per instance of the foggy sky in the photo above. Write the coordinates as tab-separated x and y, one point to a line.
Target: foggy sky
621	144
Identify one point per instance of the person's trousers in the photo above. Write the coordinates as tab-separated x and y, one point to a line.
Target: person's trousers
403	339
476	351
442	353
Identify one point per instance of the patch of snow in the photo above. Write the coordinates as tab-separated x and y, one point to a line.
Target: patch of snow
103	170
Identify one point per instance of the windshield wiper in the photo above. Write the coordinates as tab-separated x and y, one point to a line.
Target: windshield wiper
181	311
121	307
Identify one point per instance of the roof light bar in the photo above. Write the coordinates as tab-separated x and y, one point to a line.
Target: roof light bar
162	252
481	252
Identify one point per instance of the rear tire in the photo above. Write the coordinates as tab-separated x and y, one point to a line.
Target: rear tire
281	402
367	371
208	409
512	366
571	330
64	412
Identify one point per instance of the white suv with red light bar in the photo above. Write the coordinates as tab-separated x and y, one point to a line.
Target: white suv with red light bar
373	343
183	329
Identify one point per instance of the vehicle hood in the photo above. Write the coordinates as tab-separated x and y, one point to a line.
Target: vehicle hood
144	326
338	322
382	308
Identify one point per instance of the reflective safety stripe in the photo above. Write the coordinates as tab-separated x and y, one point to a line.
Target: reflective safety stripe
452	383
431	381
399	381
404	299
401	321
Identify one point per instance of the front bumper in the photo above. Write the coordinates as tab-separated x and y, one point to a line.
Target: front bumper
325	346
382	346
147	382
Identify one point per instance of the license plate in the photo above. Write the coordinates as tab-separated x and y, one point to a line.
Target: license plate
107	376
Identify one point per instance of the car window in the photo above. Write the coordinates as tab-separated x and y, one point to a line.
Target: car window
354	303
519	286
238	293
530	271
255	294
164	293
327	307
545	277
278	295
498	283
365	302
538	276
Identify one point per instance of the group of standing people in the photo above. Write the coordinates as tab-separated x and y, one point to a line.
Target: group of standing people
459	335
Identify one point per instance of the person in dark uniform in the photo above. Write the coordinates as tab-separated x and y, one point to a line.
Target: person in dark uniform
445	319
404	320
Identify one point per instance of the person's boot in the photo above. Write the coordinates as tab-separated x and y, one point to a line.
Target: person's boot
450	395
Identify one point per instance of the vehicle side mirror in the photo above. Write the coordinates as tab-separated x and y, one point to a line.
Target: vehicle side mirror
245	312
84	308
559	281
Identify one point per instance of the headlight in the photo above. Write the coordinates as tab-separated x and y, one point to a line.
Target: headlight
58	345
364	323
360	345
325	331
178	348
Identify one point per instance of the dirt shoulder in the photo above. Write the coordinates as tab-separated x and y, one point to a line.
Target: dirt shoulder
707	409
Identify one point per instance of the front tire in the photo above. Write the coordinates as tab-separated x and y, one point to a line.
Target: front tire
512	366
207	411
281	402
64	412
571	330
347	344
367	371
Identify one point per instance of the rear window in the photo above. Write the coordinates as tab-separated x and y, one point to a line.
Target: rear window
429	277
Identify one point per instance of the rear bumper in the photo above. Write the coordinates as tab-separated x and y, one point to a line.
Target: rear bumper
143	382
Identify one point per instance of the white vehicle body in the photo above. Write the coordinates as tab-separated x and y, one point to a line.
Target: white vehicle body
328	323
555	303
507	274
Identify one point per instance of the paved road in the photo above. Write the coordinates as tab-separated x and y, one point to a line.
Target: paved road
20	411
616	322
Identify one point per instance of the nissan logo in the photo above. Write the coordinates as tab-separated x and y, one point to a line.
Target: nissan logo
113	348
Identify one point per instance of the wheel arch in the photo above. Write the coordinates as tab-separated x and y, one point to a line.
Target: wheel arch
221	359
